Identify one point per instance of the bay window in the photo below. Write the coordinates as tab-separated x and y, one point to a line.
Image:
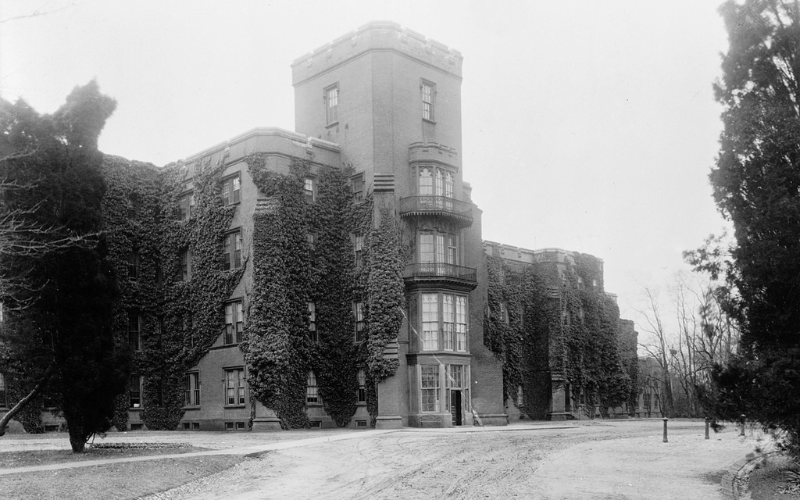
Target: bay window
446	314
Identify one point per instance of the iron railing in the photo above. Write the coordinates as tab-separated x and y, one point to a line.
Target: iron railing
437	270
436	205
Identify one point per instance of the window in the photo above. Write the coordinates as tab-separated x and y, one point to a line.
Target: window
232	190
430	321
192	393
425	182
438	252
134	325
3	401
428	95
133	265
186	205
312	322
448	316
448	321
358	311
332	104
362	386
358	247
185	270
234	321
312	395
308	190
234	387
455	376
232	251
311	238
504	312
461	323
429	385
357	185
135	391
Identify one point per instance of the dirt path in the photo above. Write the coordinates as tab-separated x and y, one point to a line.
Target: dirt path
605	460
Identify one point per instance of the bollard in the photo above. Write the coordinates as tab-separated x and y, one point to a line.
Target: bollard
708	421
742	434
665	430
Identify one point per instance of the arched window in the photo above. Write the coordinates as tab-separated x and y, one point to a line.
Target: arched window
448	184
425	182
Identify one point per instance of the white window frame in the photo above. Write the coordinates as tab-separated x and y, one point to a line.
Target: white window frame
235	387
234	323
429	389
192	390
232	251
232	189
331	97
428	95
312	390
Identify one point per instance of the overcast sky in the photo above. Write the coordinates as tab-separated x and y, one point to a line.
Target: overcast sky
587	125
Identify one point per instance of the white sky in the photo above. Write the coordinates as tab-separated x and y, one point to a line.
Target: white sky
587	125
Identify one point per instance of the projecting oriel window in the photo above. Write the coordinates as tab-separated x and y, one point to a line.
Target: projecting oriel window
332	104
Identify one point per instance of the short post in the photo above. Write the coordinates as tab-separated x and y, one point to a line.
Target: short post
742	434
665	430
708	422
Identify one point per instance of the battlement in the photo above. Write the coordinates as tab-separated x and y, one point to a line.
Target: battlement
377	36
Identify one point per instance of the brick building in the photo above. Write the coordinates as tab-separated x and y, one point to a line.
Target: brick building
384	102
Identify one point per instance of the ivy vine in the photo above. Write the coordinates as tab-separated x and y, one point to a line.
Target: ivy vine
555	325
180	320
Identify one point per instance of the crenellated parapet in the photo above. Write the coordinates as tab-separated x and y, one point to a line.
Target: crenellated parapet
377	36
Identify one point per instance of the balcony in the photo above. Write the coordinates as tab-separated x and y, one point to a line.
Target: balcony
441	206
428	272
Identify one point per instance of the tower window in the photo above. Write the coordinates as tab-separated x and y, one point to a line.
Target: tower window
428	95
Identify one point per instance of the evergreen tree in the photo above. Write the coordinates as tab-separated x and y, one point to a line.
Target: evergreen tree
63	294
756	185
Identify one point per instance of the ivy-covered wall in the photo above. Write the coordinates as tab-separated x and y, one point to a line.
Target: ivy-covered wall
551	319
290	271
179	319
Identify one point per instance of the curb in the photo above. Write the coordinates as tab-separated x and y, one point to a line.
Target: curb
729	487
731	480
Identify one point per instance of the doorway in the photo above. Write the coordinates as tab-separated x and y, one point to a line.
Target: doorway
456	407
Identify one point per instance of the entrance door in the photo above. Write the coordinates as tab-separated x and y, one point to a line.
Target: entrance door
455	407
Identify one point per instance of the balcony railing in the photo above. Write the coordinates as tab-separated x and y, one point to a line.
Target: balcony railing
433	271
436	205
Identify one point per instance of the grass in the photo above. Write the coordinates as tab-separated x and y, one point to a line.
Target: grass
97	452
121	481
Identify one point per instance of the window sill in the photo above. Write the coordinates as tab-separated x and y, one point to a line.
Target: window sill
136	409
333	124
428	120
190	407
234	407
314	405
